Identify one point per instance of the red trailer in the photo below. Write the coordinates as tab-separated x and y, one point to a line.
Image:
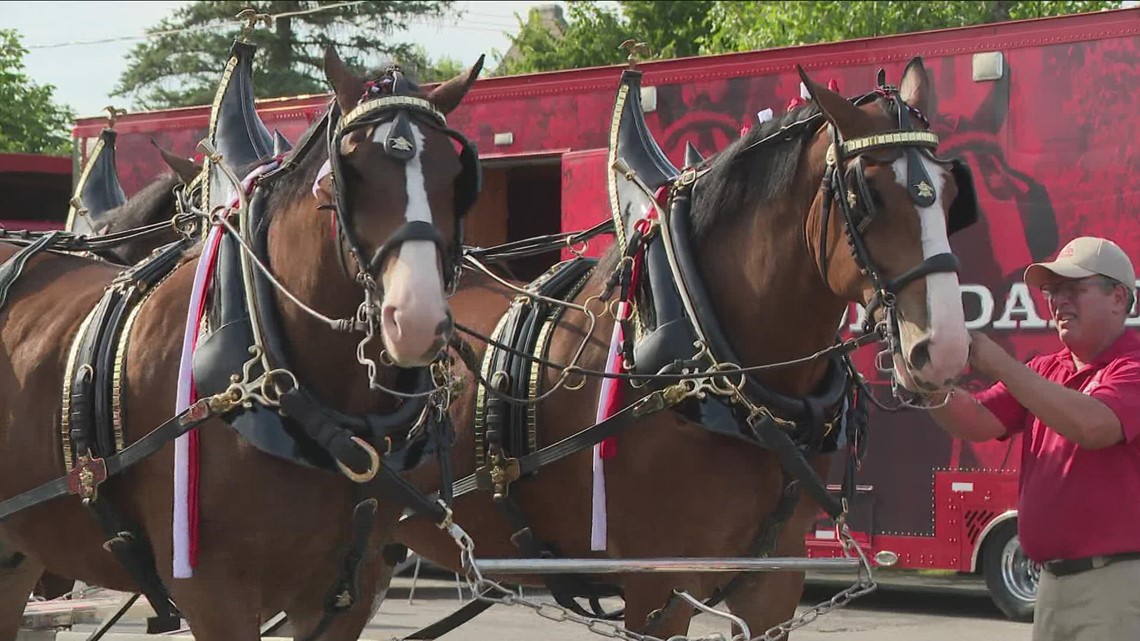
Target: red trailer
1042	110
34	191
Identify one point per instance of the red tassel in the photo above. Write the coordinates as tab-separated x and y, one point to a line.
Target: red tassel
796	102
744	130
607	449
193	453
193	475
833	85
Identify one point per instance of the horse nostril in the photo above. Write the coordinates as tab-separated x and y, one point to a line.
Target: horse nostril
390	319
920	354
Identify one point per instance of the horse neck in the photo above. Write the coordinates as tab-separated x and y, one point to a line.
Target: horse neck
303	255
154	204
769	297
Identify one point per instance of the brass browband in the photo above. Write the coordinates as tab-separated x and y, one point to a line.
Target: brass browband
890	139
369	107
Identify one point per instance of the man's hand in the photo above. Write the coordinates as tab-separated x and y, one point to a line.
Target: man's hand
989	358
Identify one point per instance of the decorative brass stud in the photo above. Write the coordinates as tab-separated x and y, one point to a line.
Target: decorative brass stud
635	47
251	18
113	114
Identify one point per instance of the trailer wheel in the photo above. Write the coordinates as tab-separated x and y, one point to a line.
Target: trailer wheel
1010	576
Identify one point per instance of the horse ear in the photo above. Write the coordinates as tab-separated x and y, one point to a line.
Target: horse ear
448	95
837	109
347	86
184	168
916	89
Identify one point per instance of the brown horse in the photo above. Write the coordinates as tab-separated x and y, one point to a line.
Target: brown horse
768	245
270	530
155	203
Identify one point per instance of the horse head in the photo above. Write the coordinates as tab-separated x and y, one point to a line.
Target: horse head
399	189
893	203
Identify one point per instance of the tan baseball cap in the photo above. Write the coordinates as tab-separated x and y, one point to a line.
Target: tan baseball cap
1083	257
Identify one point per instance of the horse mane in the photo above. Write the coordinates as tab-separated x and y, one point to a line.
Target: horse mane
153	203
741	178
298	183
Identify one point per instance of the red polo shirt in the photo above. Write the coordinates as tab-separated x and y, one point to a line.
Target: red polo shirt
1076	502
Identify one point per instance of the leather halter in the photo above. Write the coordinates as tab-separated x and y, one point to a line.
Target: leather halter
845	184
400	145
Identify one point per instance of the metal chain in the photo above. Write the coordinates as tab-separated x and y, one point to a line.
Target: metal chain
491	591
864	584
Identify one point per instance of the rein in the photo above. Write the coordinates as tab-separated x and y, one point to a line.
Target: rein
70	242
467	354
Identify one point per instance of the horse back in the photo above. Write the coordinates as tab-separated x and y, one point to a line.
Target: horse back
45	306
46	303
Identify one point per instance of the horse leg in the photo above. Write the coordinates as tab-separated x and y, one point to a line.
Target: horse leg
651	608
766	599
52	586
18	575
220	613
309	613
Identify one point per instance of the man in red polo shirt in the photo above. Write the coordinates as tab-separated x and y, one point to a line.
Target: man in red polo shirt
1079	409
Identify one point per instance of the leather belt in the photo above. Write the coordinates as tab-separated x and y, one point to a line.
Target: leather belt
1066	567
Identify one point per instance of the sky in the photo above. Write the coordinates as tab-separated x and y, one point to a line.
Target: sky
85	74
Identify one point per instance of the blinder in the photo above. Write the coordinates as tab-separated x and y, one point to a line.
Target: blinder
470	182
860	197
964	209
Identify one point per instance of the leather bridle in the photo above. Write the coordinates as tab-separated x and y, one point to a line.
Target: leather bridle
845	184
400	144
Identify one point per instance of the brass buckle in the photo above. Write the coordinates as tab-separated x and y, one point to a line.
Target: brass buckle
373	463
498	475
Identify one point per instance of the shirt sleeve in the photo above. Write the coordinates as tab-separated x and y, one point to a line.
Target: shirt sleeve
1001	403
1119	389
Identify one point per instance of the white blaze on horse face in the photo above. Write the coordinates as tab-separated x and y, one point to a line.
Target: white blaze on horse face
415	311
947	340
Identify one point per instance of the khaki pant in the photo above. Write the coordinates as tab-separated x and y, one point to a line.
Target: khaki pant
1098	605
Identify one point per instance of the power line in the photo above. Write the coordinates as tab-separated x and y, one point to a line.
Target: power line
231	23
304	12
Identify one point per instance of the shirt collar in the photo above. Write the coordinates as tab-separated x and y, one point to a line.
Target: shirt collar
1127	342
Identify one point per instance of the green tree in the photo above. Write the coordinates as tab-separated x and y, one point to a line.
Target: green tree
417	63
744	26
594	34
181	64
30	121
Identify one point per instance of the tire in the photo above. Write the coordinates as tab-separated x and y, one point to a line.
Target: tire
1010	576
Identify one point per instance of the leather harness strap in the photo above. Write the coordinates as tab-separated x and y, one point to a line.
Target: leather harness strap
577	442
84	479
